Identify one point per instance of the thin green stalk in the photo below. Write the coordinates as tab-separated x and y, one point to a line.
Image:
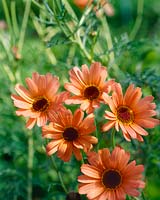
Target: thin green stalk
38	4
78	37
113	137
136	27
14	19
143	197
7	16
30	165
24	25
59	175
111	55
108	39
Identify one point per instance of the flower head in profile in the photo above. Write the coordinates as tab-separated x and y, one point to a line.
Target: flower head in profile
130	112
101	6
39	99
110	176
87	86
69	133
82	3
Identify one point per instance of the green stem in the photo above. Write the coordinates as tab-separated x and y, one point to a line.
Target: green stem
140	6
108	39
14	18
78	37
7	16
59	175
143	197
30	165
112	63
113	137
24	25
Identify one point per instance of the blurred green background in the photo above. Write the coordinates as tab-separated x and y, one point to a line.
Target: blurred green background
32	39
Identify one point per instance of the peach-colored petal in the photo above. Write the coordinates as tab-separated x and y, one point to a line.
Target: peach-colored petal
90	171
22	104
86	179
97	189
74	100
108	126
87	85
131	131
129	112
126	136
78	117
27	113
110	115
39	99
120	194
93	158
62	148
32	86
52	146
138	129
85	105
128	94
117	94
148	122
24	93
42	120
103	195
73	130
72	88
68	153
52	86
30	123
95	183
77	153
109	101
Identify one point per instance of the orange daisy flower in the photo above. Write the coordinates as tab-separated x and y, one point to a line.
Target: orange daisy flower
88	86
130	112
110	176
107	7
69	133
39	99
82	3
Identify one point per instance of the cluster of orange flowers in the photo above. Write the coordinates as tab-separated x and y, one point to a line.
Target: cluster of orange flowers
108	175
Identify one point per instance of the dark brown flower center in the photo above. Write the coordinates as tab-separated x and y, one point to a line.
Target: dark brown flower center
70	134
125	114
91	92
111	179
40	104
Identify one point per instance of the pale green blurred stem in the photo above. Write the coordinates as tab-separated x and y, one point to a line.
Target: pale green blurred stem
24	25
112	63
136	27
143	197
59	175
108	39
30	165
7	16
14	19
78	36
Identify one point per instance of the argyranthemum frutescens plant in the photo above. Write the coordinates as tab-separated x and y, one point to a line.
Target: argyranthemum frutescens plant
108	176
